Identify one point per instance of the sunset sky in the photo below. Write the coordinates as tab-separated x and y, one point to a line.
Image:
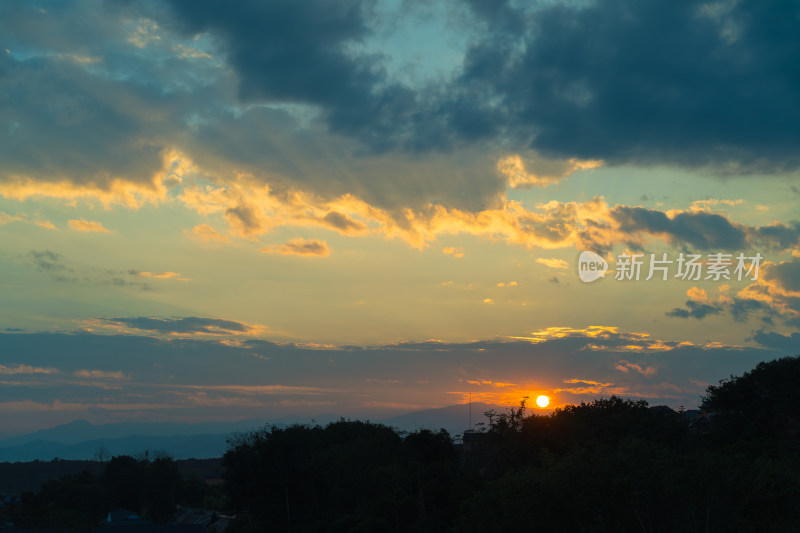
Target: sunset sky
214	210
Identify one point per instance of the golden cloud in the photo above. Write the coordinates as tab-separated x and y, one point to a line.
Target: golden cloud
5	218
86	225
552	262
206	233
549	173
162	275
108	190
300	246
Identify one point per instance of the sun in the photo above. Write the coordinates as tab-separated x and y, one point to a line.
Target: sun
542	401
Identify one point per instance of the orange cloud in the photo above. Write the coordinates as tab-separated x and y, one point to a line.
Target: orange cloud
300	246
552	262
455	252
5	218
574	381
626	367
606	338
548	173
160	275
206	233
252	208
86	225
776	288
107	190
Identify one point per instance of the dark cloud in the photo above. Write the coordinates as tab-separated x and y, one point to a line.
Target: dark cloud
66	123
184	373
84	103
785	275
650	82
288	51
60	269
789	344
701	230
772	296
47	260
695	310
619	80
705	231
341	222
741	308
245	218
776	236
285	51
186	325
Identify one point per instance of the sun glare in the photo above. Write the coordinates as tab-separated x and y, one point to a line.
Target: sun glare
542	401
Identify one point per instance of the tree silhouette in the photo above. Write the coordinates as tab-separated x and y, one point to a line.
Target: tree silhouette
761	403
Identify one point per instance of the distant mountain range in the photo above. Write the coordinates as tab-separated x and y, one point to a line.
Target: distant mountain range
80	439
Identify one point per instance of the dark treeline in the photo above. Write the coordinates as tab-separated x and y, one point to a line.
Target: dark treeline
21	477
609	465
150	484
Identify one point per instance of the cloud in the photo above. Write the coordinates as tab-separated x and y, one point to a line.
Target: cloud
45	224
5	218
625	366
181	326
90	138
784	275
99	374
699	229
306	100
695	310
775	294
47	260
85	225
702	230
455	252
204	378
158	275
625	82
26	369
789	344
206	233
300	246
514	169
286	52
552	262
612	80
342	223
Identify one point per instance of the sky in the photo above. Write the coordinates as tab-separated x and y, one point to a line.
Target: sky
216	210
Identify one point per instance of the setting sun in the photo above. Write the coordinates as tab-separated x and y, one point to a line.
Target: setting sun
542	401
